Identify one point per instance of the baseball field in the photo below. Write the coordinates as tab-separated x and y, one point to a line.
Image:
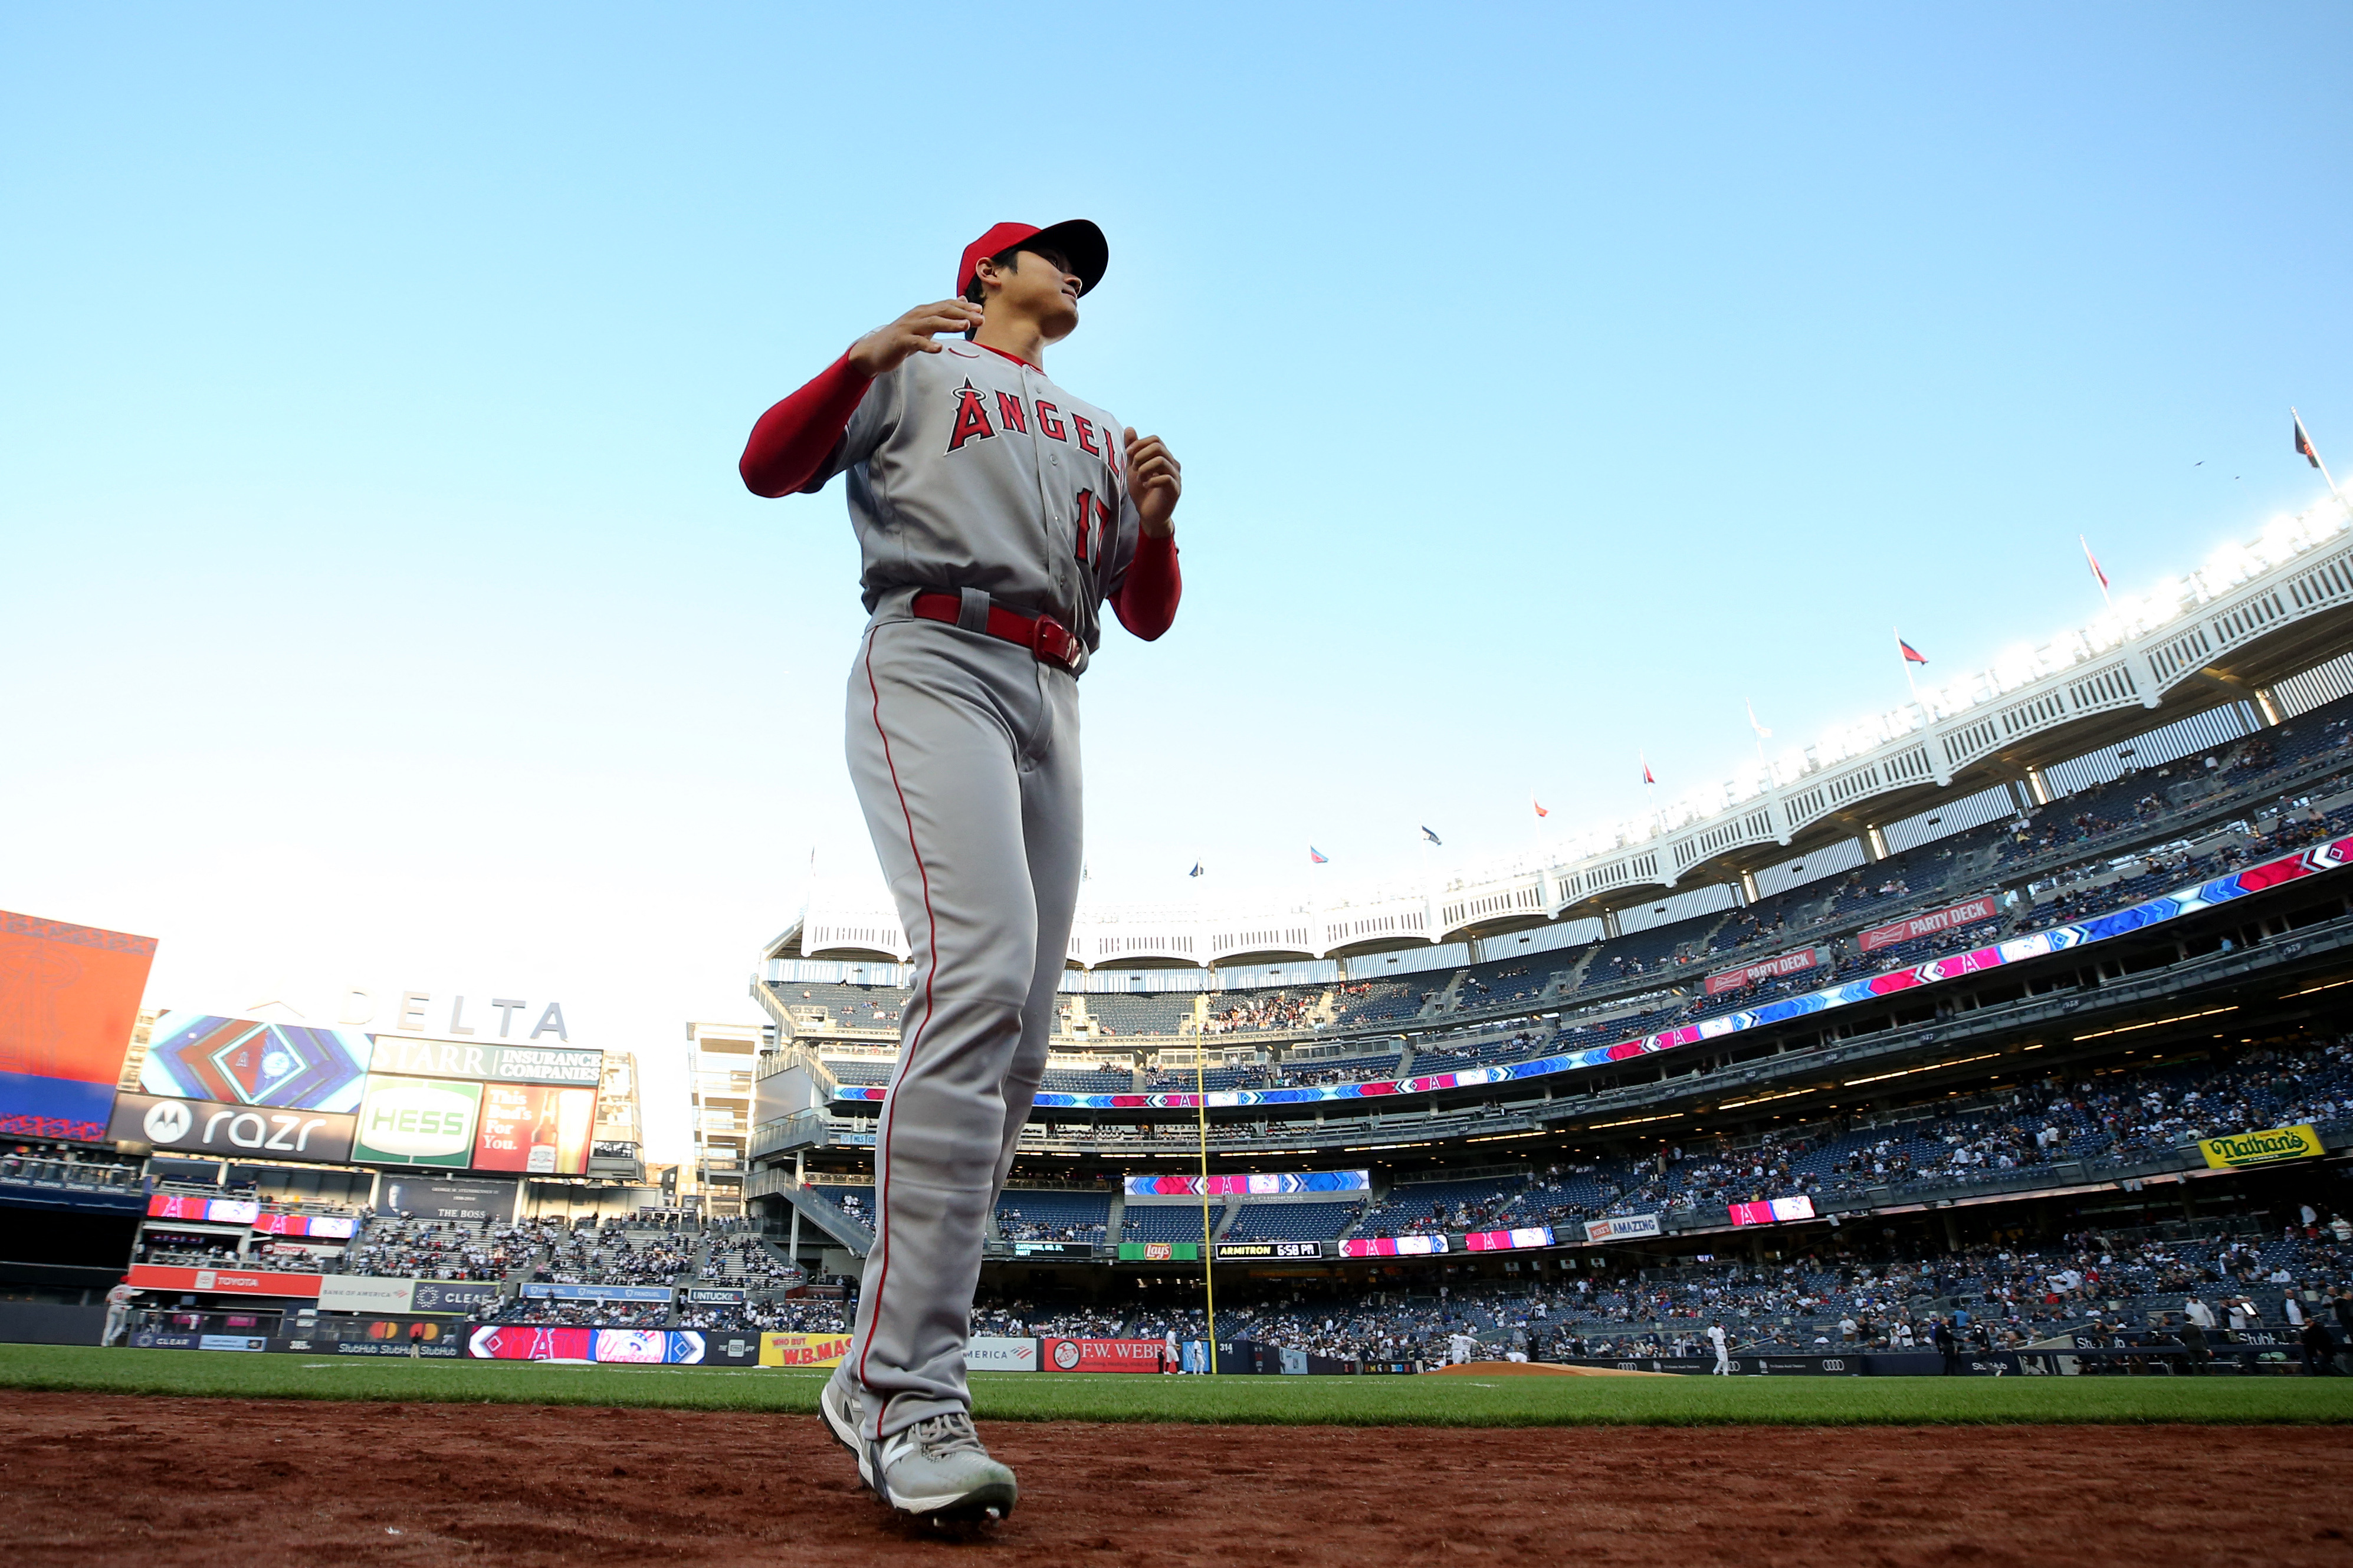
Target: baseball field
259	1460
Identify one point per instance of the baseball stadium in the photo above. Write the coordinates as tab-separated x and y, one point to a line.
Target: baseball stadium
568	998
1975	1074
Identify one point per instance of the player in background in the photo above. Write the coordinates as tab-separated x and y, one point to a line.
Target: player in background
118	1311
995	513
1723	1351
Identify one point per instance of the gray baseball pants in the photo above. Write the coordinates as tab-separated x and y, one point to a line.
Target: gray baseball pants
964	752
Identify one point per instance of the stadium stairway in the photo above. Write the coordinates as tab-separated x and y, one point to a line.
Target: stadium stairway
828	1217
1442	1000
1118	1215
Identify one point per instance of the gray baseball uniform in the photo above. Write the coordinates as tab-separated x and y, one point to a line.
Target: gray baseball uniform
970	474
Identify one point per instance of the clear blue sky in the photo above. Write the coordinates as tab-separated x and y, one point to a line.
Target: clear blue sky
384	608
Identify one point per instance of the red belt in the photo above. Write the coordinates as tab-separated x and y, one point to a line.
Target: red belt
1047	639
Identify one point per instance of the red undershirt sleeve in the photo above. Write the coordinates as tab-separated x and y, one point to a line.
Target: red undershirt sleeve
1147	601
790	444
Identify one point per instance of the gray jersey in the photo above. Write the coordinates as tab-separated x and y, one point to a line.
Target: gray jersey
970	470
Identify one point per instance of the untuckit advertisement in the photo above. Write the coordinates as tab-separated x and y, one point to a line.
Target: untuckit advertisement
534	1129
210	1127
68	999
252	1061
417	1121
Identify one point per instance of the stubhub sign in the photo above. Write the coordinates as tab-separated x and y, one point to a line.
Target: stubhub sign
417	1121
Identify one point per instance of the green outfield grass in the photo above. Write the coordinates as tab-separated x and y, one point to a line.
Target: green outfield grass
1321	1401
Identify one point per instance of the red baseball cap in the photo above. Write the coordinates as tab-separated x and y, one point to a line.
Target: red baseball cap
1082	243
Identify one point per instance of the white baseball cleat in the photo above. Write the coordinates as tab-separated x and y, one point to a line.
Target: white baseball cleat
842	1410
937	1467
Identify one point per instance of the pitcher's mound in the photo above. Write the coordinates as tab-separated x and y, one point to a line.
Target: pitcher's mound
1535	1369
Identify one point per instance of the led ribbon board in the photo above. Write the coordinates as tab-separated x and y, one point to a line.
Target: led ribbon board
2182	901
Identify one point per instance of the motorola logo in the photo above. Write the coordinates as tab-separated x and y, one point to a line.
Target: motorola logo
168	1121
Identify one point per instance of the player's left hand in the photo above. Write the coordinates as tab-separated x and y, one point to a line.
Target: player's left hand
1154	480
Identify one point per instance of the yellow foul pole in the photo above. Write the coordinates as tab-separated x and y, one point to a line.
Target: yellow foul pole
1208	1279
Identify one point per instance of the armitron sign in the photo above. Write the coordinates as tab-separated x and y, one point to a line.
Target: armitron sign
2265	1148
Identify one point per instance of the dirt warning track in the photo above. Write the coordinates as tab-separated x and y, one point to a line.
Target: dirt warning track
204	1483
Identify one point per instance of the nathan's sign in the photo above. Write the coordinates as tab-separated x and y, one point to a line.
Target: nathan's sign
1796	962
2268	1147
1951	918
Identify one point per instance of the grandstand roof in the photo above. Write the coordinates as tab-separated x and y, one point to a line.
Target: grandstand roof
2252	616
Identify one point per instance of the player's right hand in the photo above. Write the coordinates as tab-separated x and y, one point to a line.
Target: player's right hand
886	348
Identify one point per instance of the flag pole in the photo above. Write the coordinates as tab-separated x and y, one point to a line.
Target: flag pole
2098	576
2313	450
1909	683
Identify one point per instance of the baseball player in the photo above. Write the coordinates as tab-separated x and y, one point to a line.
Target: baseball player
995	513
1723	1351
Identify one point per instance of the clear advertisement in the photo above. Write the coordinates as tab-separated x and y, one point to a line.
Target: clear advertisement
534	1129
252	1061
68	999
211	1127
417	1121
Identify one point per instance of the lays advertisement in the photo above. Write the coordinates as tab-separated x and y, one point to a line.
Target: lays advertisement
2267	1147
803	1349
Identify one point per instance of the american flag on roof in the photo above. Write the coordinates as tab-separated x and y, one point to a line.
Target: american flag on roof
1911	654
2304	442
1316	856
1433	837
1539	806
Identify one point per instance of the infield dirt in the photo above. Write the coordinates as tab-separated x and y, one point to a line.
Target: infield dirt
206	1483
